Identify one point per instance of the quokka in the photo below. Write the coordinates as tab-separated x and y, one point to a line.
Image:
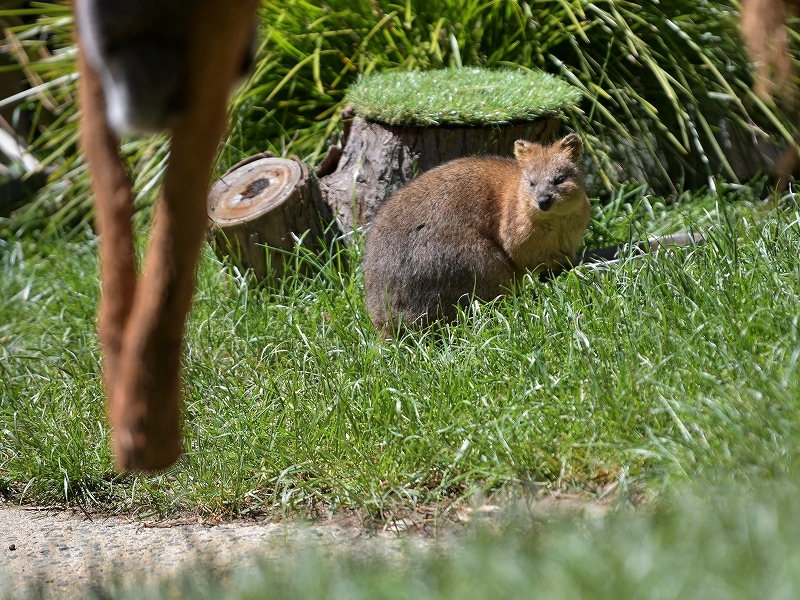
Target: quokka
472	226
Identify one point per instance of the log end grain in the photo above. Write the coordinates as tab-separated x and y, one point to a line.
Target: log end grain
259	211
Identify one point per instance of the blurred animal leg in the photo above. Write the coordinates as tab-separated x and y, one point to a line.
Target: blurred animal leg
141	323
114	209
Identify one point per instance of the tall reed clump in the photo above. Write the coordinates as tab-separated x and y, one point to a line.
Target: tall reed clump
666	86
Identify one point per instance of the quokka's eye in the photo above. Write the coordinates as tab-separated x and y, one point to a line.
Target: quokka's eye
533	183
559	180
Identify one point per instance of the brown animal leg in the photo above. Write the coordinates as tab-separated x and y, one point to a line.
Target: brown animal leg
143	376
786	165
767	37
114	209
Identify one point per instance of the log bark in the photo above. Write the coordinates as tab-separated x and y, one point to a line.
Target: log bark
379	159
261	209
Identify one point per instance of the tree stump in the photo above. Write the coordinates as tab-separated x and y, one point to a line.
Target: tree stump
261	209
378	159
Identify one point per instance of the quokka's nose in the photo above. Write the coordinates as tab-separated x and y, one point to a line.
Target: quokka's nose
545	202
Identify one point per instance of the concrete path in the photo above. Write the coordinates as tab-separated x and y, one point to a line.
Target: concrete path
63	554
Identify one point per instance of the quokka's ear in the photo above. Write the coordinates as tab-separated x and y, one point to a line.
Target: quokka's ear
522	149
572	143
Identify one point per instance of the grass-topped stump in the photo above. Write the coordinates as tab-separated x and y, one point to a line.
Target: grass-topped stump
407	123
260	208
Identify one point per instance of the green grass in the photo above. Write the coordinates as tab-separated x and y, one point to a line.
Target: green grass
648	373
467	96
641	377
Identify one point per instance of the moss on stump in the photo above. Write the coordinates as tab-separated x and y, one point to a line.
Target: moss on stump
408	122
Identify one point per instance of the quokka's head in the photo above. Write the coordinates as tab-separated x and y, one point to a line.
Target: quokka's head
551	180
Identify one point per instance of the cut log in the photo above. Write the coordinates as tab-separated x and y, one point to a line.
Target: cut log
261	209
379	159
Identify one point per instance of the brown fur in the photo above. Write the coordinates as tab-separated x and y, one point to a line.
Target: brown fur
473	226
764	31
141	321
